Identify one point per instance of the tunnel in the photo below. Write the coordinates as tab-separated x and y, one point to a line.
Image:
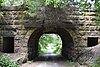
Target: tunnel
67	42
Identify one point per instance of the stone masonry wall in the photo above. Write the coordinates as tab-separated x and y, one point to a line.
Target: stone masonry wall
15	23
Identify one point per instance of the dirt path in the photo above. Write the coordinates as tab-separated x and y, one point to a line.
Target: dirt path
52	64
48	64
47	61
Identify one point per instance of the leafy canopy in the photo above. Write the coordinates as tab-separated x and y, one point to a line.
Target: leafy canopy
55	3
33	5
50	43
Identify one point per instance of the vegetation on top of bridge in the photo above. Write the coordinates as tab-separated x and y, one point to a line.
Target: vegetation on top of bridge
33	5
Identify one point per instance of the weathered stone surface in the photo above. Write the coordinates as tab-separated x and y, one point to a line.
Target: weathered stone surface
89	55
7	8
79	25
1	53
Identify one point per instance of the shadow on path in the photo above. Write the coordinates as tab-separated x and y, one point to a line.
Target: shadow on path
50	57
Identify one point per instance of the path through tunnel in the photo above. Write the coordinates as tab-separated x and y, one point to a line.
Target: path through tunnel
67	42
49	44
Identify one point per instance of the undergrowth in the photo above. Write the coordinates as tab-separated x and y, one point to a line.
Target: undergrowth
6	62
96	63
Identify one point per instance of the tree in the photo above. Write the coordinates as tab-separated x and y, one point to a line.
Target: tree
94	4
49	42
33	5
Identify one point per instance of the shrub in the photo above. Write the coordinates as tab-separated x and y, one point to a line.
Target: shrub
6	62
96	63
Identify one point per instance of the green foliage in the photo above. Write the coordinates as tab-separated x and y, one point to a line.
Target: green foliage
11	2
33	5
84	4
70	63
56	3
94	4
90	3
2	2
6	62
29	62
50	42
96	63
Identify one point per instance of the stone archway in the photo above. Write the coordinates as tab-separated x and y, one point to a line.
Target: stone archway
67	41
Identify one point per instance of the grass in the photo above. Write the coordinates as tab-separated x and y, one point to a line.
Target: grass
96	62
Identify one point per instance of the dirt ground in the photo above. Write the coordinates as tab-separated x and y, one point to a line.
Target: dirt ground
52	64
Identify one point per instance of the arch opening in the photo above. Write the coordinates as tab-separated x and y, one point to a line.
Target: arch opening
49	44
67	42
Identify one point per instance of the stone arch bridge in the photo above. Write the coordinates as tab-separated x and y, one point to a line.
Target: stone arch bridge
20	32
